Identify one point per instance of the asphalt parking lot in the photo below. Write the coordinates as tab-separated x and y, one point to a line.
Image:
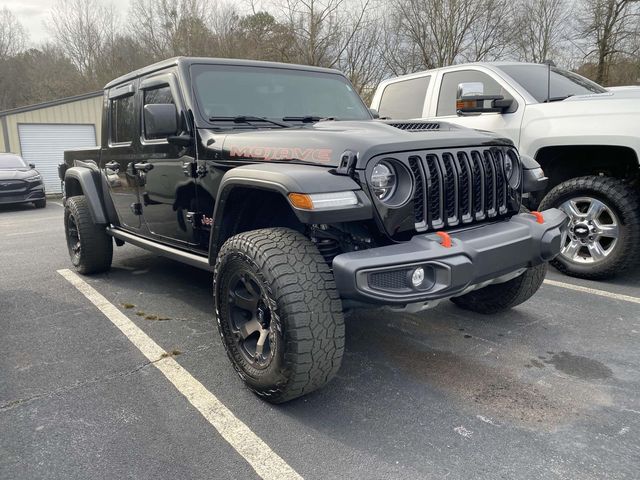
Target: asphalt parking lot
548	390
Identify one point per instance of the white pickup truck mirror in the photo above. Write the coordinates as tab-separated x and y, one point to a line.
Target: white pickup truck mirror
470	89
470	99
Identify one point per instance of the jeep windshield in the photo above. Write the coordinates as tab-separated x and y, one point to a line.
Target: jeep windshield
228	92
564	84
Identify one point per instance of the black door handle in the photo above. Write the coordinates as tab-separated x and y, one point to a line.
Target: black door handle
143	167
114	166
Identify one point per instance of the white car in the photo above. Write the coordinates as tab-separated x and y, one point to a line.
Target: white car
586	138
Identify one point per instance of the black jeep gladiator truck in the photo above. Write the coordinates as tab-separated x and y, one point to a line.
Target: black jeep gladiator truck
304	205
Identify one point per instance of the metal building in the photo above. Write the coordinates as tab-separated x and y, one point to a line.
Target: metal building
42	132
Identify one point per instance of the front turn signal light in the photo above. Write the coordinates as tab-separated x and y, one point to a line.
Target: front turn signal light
323	201
301	200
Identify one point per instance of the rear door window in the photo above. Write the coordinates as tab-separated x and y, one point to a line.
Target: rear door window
123	119
404	99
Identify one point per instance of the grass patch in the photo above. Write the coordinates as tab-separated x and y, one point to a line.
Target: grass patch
151	317
128	305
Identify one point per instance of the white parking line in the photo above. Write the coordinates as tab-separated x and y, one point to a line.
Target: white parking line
593	291
256	452
27	233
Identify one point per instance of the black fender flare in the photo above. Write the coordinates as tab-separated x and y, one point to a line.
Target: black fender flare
533	178
285	179
90	183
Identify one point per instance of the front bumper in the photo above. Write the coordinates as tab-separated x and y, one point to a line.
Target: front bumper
22	193
477	256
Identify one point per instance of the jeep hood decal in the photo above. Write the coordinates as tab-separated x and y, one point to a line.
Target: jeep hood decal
323	143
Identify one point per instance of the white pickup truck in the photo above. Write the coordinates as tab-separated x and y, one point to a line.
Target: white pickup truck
586	138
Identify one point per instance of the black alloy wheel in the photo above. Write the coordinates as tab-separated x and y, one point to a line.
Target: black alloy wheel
73	238
250	318
278	313
90	247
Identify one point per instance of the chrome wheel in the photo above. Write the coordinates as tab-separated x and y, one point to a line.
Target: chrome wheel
593	230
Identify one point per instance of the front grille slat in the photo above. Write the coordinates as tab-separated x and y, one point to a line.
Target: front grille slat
459	186
490	184
435	189
501	182
466	188
419	194
451	188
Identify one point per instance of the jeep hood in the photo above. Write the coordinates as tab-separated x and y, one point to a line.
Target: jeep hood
325	142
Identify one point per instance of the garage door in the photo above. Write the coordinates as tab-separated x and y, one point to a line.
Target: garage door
44	144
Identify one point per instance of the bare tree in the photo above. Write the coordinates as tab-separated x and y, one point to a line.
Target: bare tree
167	28
443	32
491	33
83	29
12	34
363	60
261	37
322	29
609	29
540	26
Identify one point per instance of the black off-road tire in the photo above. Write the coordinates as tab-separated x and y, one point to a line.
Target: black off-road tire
503	296
624	201
40	203
95	251
306	336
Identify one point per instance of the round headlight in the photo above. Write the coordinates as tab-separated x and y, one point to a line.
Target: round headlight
508	166
383	180
512	170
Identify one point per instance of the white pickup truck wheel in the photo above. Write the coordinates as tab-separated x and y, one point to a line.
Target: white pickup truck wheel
603	236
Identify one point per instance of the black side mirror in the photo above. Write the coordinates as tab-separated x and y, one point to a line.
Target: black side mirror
32	166
374	112
160	120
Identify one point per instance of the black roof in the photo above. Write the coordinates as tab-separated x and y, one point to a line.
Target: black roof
186	61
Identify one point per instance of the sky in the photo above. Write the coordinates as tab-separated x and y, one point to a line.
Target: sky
33	13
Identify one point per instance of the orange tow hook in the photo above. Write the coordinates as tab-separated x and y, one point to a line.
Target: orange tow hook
539	217
445	239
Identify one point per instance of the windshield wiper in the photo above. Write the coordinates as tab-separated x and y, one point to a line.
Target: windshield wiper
307	119
247	119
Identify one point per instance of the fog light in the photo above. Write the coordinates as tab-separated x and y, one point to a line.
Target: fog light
417	277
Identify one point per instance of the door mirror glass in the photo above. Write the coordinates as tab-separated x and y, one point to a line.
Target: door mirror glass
374	112
160	120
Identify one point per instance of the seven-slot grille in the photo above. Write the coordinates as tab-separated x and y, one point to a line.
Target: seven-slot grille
459	186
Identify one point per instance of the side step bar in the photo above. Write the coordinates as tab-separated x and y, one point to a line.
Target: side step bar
164	250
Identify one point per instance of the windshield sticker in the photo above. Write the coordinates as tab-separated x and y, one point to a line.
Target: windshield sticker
322	155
